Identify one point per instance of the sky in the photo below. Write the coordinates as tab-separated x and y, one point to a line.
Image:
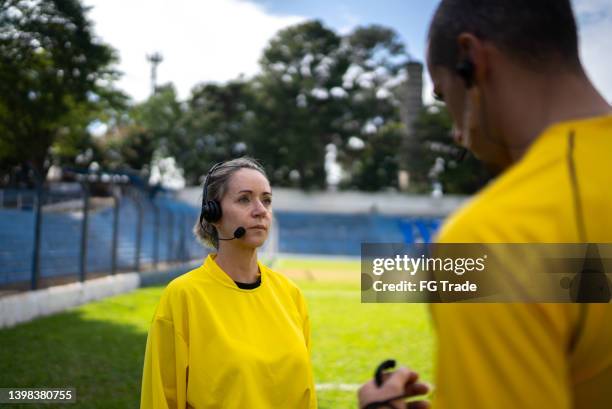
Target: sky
218	40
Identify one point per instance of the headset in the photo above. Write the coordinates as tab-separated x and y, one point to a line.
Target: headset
465	69
211	210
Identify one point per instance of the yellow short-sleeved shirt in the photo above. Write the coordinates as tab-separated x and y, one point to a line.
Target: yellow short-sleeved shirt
534	355
215	345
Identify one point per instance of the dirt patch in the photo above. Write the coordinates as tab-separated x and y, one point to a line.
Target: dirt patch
321	275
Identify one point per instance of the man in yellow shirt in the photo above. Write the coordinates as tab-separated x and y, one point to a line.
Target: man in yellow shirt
510	75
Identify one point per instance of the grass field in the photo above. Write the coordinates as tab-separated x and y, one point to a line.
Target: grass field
98	348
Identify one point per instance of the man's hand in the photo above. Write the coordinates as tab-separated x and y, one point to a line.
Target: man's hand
402	382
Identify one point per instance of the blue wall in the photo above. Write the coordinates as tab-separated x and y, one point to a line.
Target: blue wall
299	232
61	239
342	234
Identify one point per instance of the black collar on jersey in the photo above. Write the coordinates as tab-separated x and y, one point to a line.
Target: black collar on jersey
249	286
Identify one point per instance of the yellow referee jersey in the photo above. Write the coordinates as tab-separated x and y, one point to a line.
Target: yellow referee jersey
534	355
214	345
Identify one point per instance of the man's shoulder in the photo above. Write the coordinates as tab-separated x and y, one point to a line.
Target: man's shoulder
465	224
525	203
500	213
534	199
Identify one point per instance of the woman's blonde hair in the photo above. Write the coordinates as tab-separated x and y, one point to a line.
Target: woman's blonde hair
218	182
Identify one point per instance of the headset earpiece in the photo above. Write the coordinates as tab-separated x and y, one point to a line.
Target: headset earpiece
465	69
211	209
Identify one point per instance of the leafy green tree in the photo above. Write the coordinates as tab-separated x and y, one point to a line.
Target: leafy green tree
432	141
299	100
318	88
377	68
160	114
137	134
51	67
75	139
377	165
218	124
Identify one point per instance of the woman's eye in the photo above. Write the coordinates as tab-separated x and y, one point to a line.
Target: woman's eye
243	199
267	202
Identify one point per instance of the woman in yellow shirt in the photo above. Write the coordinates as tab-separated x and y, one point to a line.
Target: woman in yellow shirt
232	333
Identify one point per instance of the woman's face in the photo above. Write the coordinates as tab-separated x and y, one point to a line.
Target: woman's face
247	203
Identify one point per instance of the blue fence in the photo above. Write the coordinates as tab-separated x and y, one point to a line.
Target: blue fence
147	232
342	234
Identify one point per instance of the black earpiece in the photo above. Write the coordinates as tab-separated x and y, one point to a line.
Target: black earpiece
465	69
211	209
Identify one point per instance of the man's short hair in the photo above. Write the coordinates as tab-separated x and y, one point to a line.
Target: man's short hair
539	34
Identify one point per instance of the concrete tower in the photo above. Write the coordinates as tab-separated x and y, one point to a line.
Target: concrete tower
411	98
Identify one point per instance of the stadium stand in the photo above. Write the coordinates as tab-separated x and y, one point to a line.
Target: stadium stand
342	234
331	224
61	239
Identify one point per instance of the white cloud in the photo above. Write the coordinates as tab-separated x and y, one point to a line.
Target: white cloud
97	128
427	94
590	6
200	40
595	26
346	19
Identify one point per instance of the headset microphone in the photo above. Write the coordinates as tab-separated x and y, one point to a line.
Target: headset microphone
238	233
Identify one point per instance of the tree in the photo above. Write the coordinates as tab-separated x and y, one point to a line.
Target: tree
53	72
377	68
75	146
218	124
432	142
299	99
377	165
144	131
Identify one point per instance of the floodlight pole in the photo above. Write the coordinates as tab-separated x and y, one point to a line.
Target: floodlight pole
155	59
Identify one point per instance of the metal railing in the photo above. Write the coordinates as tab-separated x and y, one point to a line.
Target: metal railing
75	231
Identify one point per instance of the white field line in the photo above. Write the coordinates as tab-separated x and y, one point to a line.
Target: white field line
346	387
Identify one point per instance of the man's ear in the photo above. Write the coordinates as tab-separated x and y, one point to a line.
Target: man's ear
472	64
